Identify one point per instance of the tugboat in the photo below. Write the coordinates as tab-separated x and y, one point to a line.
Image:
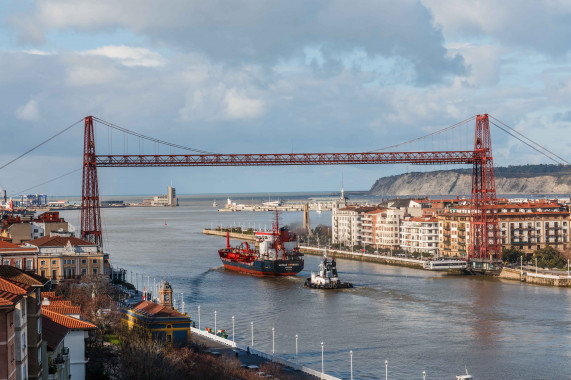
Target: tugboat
278	254
327	277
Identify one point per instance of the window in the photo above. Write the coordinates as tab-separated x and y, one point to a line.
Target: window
94	261
24	308
6	262
23	341
12	353
83	261
95	271
54	262
69	262
29	264
84	271
43	262
43	274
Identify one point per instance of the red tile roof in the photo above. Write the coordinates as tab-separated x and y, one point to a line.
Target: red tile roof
63	309
11	273
8	299
10	287
69	322
7	247
52	332
155	310
58	241
58	302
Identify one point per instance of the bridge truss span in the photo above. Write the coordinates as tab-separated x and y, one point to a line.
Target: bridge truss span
368	158
484	231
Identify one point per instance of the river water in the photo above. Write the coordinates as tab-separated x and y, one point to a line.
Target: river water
416	320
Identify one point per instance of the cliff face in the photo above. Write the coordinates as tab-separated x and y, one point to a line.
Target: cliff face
459	182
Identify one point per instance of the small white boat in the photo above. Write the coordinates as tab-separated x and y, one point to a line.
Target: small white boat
214	204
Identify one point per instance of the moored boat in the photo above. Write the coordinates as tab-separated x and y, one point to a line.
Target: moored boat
278	254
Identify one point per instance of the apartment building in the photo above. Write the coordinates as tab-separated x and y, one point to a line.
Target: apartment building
527	226
419	235
531	226
18	256
20	322
347	224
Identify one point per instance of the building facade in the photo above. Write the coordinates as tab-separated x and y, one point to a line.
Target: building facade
67	257
20	322
157	321
419	235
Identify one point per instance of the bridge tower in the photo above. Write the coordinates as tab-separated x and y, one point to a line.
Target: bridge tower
484	230
90	210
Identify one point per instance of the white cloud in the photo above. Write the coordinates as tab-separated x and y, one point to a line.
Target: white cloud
239	106
129	56
29	111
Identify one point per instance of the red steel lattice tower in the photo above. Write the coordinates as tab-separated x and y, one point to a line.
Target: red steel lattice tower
484	231
90	210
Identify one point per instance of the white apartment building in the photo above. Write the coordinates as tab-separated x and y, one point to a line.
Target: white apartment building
347	225
380	227
419	235
388	228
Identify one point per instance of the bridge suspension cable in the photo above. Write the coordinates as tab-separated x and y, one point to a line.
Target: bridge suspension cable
155	140
40	144
46	182
532	144
443	130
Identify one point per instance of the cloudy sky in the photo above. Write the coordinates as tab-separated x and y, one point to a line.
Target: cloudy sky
273	77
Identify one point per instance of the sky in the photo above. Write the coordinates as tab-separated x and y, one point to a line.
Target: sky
274	77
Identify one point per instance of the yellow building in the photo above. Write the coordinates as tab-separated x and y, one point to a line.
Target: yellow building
453	234
67	257
157	321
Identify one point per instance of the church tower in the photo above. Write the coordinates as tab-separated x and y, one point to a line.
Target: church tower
165	294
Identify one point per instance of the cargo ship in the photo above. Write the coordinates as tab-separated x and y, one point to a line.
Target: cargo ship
277	254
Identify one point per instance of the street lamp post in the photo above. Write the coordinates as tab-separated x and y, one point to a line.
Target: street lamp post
233	329
296	359
386	369
521	264
351	354
252	326
199	317
322	366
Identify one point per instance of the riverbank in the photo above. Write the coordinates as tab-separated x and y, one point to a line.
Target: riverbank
360	256
530	277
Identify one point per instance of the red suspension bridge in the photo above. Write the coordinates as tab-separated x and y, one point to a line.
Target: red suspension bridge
484	233
484	243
